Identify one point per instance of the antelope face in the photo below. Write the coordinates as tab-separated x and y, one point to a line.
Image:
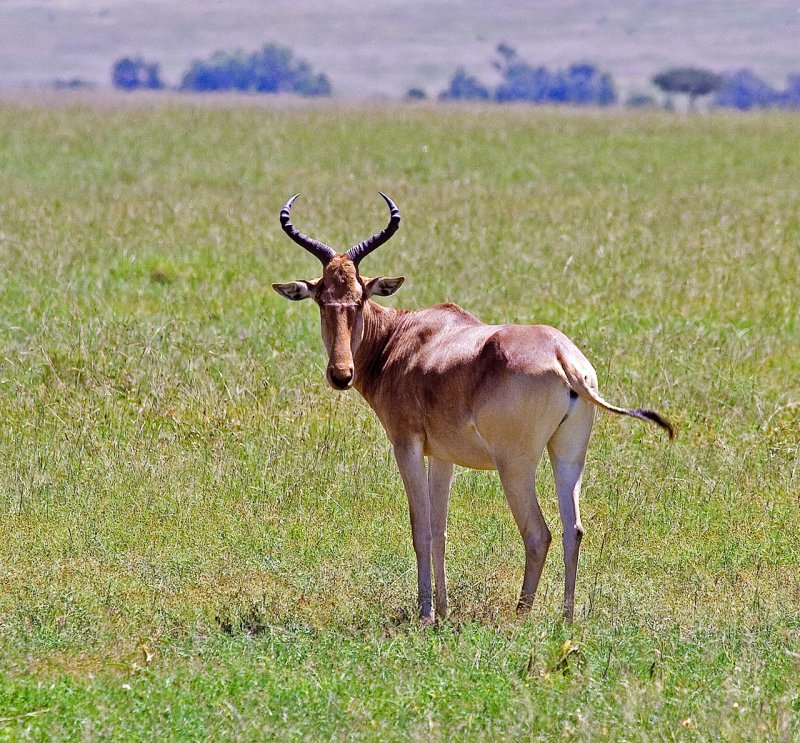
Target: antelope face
340	298
341	294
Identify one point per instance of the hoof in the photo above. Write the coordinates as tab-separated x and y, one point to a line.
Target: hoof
427	620
523	607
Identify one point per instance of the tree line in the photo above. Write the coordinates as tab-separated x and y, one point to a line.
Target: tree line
274	69
579	84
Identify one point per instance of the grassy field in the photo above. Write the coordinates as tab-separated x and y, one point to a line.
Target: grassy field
200	540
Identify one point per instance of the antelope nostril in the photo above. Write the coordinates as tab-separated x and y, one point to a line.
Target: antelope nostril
341	380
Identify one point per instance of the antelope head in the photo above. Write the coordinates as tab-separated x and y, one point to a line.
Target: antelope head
341	293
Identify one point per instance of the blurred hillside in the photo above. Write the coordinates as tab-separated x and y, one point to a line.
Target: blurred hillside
385	48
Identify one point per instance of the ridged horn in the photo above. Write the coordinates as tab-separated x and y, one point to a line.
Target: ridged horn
315	247
357	252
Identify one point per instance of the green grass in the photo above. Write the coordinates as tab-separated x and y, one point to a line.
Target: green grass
201	540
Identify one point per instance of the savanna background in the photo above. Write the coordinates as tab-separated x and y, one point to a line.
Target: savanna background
200	540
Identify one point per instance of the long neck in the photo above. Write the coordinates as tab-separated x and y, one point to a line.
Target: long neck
380	325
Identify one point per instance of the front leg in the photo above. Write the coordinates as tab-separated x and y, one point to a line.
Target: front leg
440	475
411	463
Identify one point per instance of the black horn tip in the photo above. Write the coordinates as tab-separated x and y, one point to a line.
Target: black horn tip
288	205
391	204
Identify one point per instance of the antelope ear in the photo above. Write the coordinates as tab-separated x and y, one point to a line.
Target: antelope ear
296	290
383	286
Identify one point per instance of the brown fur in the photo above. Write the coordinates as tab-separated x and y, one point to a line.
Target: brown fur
454	390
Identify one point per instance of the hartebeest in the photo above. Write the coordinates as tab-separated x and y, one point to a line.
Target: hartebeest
450	388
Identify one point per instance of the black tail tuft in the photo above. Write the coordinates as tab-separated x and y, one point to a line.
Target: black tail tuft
658	419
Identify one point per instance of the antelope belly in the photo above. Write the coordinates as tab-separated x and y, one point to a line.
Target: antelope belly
463	445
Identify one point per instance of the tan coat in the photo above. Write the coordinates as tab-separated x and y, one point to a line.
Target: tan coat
453	390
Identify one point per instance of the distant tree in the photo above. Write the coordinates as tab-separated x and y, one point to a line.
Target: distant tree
640	100
136	74
222	71
579	84
416	94
585	84
270	70
692	81
464	87
743	89
521	82
507	55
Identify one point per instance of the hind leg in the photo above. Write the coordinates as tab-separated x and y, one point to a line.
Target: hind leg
518	477
567	449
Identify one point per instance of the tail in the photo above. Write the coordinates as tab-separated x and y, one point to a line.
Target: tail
580	383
